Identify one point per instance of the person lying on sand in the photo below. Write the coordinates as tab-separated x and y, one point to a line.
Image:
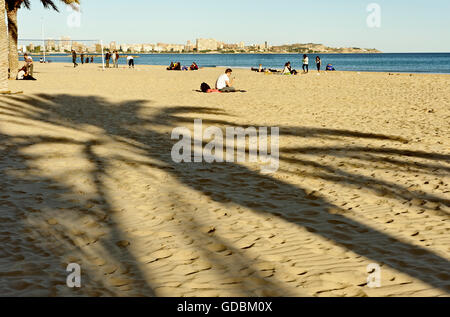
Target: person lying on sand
224	83
260	69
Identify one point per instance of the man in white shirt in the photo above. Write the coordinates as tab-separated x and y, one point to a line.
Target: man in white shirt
224	83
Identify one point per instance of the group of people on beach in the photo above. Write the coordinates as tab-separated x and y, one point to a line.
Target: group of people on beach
26	72
109	57
82	59
177	66
225	83
289	71
114	56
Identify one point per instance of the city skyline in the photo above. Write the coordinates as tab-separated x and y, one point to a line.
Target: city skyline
404	28
66	44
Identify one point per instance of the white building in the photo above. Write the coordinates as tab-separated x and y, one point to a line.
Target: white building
206	45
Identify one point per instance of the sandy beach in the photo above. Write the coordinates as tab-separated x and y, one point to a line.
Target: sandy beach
86	177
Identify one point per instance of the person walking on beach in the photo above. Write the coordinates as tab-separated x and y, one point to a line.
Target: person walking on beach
82	58
28	64
224	83
305	63
318	63
130	60
74	58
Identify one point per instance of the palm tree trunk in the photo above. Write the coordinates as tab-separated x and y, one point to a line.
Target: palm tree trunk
3	49
13	31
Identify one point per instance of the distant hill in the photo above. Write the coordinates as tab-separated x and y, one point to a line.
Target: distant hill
311	48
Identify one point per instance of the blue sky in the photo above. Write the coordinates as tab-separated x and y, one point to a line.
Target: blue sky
406	25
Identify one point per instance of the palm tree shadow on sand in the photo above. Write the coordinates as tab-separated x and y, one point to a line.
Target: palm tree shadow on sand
226	183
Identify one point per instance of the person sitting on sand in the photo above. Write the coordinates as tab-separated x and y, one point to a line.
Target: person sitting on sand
194	66
330	68
28	64
177	66
173	66
288	69
224	83
23	74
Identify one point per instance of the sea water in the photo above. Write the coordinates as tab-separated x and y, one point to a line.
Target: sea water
386	62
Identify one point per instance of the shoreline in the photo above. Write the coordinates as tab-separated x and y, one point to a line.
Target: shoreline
311	71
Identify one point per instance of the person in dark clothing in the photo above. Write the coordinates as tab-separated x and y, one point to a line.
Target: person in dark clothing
130	59
82	58
74	58
318	63
107	59
194	66
92	59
